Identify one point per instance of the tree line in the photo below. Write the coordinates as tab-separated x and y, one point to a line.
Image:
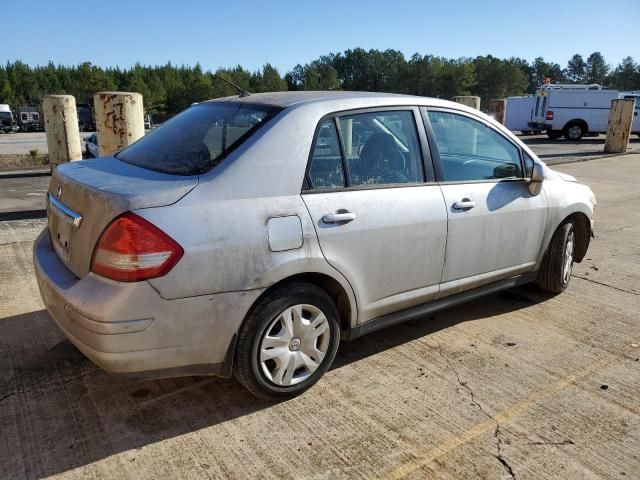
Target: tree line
170	88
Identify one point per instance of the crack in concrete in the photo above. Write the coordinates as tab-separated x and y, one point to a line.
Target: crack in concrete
496	432
16	242
554	444
605	285
65	381
615	229
499	456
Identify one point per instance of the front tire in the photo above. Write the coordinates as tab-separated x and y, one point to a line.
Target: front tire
554	134
287	342
555	271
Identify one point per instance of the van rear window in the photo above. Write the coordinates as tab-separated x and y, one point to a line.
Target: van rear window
198	139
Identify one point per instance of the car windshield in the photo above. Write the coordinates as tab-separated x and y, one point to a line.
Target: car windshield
197	140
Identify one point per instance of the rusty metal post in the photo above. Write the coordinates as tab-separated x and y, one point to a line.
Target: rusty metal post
468	100
497	108
61	126
620	121
119	120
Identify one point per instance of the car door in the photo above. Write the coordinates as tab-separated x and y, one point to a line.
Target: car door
495	225
380	219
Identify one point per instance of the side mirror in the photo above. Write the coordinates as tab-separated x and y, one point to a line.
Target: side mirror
537	177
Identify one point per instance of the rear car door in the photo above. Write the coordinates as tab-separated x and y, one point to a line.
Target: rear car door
495	226
379	216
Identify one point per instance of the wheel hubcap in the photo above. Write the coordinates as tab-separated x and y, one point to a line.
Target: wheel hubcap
568	258
294	345
575	132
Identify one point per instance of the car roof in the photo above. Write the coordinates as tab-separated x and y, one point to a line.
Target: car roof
346	99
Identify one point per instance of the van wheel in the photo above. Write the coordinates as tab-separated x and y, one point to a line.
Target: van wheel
555	271
554	134
287	342
574	131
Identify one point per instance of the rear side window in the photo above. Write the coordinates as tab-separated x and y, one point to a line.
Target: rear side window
471	150
325	169
199	138
382	148
378	148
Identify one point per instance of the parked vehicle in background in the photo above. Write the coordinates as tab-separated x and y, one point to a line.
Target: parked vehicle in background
30	120
7	123
91	147
635	127
572	110
251	234
86	120
518	114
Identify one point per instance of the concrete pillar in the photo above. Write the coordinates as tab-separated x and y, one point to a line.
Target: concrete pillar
497	109
620	121
468	100
119	120
61	126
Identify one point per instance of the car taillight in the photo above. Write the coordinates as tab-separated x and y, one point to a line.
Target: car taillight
132	249
549	115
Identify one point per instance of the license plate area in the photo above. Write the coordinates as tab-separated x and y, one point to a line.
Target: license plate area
62	223
60	235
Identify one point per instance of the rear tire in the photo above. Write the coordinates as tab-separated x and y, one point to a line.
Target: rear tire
574	131
287	342
555	271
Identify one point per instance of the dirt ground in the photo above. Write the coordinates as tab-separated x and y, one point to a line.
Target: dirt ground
518	385
15	161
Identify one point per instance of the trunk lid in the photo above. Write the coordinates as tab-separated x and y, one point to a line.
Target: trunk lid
98	191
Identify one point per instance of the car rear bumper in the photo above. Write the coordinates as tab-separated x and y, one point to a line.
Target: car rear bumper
129	329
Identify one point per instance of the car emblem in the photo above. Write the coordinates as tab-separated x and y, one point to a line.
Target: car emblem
59	191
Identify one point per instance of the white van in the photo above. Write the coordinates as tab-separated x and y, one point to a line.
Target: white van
572	110
635	127
7	124
518	114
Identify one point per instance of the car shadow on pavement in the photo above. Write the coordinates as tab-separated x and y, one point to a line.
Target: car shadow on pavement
497	304
58	411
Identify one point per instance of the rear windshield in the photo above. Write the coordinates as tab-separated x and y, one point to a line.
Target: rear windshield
197	139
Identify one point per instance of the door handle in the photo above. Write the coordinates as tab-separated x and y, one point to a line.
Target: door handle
464	204
339	217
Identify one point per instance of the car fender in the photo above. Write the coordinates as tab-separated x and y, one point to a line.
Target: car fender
229	246
565	199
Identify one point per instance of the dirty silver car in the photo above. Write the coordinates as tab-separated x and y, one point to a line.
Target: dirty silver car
250	235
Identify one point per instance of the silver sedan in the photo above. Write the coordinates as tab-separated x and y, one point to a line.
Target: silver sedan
249	235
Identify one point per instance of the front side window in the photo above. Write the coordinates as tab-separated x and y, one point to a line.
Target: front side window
470	150
199	138
382	148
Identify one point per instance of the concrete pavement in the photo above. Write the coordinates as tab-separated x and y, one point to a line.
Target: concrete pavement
558	151
23	142
517	385
23	193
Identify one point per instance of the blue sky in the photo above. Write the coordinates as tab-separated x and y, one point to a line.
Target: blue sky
283	33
